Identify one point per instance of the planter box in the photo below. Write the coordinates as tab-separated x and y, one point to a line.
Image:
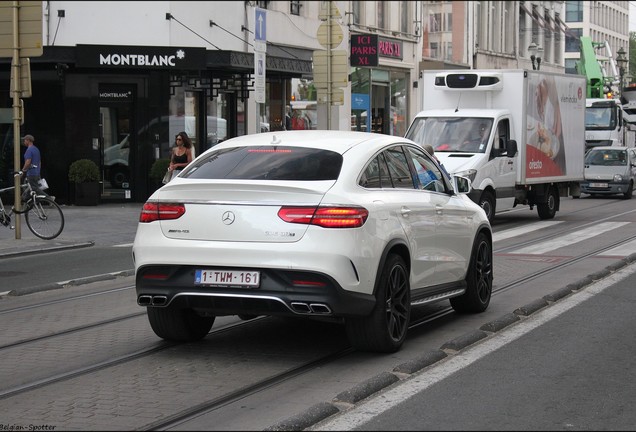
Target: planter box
87	194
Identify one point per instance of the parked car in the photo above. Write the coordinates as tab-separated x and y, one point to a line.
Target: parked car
351	226
609	170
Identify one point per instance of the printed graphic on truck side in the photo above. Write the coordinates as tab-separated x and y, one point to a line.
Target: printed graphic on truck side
553	102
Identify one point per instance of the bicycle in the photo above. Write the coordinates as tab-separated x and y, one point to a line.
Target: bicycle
43	216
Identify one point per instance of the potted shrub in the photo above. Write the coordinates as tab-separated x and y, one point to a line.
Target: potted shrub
84	173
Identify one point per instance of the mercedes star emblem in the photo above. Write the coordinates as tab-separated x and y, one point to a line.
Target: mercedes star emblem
228	218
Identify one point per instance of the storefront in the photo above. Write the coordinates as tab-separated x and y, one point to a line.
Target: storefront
379	85
121	106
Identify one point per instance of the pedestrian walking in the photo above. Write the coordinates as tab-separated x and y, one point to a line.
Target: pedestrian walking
181	154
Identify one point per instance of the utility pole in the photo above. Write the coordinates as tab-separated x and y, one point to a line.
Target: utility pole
331	66
24	40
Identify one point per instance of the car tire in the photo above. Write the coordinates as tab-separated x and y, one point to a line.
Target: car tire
630	190
179	325
478	278
548	209
487	202
384	330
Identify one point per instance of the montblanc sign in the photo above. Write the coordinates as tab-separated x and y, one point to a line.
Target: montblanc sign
140	57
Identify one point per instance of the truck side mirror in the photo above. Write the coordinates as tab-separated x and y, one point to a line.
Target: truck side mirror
512	148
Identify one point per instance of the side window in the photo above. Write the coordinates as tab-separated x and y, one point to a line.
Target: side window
399	168
376	174
370	178
385	177
503	135
428	175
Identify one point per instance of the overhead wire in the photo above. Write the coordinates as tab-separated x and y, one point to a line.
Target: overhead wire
172	17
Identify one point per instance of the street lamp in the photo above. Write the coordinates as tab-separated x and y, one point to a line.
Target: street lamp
535	55
621	60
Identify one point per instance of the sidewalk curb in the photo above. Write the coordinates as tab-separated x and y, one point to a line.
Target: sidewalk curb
47	249
72	282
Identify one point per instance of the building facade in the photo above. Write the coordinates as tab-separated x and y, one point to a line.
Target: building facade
118	80
602	21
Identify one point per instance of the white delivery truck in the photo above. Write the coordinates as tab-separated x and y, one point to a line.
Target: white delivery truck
518	135
603	123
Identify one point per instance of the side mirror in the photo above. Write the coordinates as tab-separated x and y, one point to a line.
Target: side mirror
461	184
512	148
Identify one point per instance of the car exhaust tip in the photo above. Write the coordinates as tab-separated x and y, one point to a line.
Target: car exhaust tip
152	300
302	308
159	300
144	300
319	308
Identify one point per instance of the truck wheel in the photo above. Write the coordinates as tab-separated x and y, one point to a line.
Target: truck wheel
178	325
548	209
487	202
630	190
478	279
384	330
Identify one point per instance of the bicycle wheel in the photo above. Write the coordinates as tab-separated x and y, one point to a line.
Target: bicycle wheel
45	218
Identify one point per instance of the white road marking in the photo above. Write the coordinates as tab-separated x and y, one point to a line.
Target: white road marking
568	239
502	235
376	405
622	250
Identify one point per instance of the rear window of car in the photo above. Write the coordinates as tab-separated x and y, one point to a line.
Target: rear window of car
267	163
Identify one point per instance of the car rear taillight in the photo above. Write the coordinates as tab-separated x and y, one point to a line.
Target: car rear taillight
160	211
326	217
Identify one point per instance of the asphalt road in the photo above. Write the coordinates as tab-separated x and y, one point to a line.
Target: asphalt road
569	367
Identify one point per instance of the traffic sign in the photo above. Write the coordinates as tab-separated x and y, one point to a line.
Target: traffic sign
339	69
29	28
336	34
259	76
337	96
260	30
25	78
260	24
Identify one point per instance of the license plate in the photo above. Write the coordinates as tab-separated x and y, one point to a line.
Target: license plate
227	278
598	185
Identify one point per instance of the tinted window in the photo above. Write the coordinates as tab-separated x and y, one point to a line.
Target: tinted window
399	168
267	163
376	174
428	175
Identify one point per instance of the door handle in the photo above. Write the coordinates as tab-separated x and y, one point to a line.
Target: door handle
405	211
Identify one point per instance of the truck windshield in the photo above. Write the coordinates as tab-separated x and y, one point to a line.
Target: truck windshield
600	118
452	134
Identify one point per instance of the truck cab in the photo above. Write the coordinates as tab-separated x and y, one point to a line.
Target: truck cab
603	123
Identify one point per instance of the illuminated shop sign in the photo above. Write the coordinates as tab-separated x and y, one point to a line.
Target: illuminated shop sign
364	50
140	57
390	48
